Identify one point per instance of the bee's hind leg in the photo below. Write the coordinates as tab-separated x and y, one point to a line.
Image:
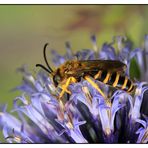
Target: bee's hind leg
96	87
65	86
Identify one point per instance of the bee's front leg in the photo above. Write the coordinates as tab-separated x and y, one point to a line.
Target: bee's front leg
64	87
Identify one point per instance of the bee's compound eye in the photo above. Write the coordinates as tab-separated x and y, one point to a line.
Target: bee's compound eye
56	79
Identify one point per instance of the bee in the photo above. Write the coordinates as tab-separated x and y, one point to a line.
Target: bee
109	72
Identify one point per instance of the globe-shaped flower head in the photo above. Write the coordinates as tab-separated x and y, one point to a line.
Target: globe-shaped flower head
82	114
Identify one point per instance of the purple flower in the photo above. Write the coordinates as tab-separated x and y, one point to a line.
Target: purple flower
143	131
84	116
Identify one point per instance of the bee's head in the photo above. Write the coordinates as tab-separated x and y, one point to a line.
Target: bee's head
57	78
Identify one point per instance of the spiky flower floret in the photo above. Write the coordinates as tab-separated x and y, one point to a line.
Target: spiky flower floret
84	116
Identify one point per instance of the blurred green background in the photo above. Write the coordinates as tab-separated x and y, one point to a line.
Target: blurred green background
24	29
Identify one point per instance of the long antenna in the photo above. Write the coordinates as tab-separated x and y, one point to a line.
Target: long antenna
42	66
44	52
39	65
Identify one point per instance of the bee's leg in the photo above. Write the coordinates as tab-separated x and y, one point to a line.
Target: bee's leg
95	86
65	86
67	91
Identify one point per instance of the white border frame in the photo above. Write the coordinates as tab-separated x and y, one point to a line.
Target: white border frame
73	2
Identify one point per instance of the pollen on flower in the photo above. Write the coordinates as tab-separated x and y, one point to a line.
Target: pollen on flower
138	91
17	139
145	137
69	125
107	131
87	94
108	102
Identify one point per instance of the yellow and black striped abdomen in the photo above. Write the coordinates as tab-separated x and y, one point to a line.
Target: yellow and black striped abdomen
116	80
